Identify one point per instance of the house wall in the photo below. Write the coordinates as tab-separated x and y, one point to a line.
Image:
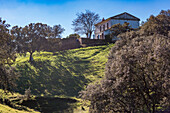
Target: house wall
97	29
125	15
98	34
132	23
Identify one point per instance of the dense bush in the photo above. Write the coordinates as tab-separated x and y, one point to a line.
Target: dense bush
7	57
137	72
117	29
159	24
136	76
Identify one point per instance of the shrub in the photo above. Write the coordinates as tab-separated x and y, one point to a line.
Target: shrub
136	76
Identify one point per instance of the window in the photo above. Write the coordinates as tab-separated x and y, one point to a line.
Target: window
100	28
107	25
102	37
98	37
103	27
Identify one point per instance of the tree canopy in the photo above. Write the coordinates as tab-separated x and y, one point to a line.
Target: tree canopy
33	37
73	35
136	77
136	74
159	24
117	29
7	57
84	23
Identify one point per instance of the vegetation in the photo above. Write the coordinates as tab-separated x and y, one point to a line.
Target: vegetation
49	75
9	102
54	79
137	71
117	29
7	57
63	73
136	74
7	109
84	23
73	35
136	79
32	37
157	24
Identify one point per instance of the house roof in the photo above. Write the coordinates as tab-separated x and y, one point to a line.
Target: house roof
122	16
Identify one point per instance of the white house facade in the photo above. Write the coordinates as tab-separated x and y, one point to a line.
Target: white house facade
102	28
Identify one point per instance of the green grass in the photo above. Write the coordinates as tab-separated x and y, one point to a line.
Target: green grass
7	109
14	107
56	79
40	104
63	73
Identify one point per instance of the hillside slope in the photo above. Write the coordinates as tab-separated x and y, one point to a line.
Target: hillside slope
63	73
9	104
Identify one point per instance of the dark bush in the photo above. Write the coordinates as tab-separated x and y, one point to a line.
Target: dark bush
136	76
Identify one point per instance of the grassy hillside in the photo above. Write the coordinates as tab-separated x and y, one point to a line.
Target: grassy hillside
56	79
63	73
7	109
16	103
13	107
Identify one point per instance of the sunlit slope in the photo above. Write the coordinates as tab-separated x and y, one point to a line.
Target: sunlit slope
63	73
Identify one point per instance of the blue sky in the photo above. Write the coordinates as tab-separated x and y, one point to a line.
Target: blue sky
63	12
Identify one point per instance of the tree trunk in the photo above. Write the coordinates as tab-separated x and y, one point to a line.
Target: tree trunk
90	34
87	35
153	108
31	57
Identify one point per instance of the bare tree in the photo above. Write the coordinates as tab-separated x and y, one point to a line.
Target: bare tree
84	23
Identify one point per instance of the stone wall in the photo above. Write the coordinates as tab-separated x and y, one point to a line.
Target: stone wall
73	43
69	43
91	42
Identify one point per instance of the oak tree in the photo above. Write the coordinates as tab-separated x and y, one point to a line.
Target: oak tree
33	37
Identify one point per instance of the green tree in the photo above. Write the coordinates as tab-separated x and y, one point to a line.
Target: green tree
84	23
33	37
157	24
117	29
73	35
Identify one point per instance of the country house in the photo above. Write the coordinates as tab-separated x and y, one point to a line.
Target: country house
102	28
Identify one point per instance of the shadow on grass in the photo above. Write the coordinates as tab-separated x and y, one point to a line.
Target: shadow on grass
64	77
51	104
65	73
